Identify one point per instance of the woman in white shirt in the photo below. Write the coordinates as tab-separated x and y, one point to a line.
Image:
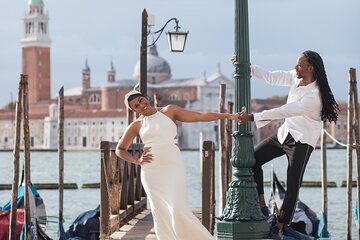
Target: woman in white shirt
310	101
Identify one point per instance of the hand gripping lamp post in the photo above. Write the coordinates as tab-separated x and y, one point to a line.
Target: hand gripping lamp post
177	40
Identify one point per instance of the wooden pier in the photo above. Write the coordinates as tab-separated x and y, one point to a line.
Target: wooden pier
141	227
123	210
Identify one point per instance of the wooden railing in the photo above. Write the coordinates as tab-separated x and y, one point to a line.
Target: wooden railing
208	185
122	195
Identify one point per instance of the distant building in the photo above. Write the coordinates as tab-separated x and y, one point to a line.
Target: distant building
97	113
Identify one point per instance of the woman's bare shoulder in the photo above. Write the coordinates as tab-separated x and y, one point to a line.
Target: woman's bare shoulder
136	124
168	108
170	111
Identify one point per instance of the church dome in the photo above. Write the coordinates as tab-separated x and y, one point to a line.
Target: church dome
35	2
156	66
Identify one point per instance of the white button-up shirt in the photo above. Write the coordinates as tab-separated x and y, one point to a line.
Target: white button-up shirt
302	111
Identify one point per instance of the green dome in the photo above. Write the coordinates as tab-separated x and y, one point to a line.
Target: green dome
35	2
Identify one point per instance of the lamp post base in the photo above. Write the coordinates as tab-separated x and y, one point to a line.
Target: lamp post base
242	217
242	230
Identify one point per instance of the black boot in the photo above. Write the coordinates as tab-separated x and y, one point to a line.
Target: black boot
265	211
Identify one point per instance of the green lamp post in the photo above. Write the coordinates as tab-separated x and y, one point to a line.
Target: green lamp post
242	217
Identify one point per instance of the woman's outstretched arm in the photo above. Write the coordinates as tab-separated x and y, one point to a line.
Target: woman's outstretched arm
184	115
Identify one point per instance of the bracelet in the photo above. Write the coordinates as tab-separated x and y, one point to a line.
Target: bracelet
252	117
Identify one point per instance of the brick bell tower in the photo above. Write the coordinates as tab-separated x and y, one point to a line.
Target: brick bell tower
36	51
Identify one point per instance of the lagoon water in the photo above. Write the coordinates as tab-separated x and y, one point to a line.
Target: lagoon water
84	167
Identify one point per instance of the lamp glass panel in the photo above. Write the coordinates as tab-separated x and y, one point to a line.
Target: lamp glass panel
177	41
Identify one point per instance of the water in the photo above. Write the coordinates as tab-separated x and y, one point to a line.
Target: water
84	167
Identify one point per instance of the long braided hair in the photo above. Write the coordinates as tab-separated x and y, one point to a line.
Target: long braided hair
330	108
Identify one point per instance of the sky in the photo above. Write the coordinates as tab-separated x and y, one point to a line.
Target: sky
109	30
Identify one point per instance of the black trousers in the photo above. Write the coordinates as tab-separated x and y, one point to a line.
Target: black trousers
298	155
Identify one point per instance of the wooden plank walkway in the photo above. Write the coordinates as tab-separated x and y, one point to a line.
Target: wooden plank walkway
140	227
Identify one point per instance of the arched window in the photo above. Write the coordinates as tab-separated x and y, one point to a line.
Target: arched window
42	28
94	98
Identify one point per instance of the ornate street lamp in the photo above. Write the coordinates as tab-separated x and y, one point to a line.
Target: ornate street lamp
177	40
242	217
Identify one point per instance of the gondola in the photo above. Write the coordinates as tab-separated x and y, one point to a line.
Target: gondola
306	224
38	213
85	227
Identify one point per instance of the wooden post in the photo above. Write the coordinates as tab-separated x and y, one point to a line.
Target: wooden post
15	184
228	137
130	116
157	100
222	151
104	193
357	136
324	172
27	221
208	185
114	183
124	185
349	155
143	53
61	152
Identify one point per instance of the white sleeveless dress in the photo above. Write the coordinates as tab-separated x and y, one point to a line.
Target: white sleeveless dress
164	181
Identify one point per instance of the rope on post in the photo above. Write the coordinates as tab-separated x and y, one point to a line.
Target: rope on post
338	142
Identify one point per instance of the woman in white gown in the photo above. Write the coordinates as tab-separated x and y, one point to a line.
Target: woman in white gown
162	171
